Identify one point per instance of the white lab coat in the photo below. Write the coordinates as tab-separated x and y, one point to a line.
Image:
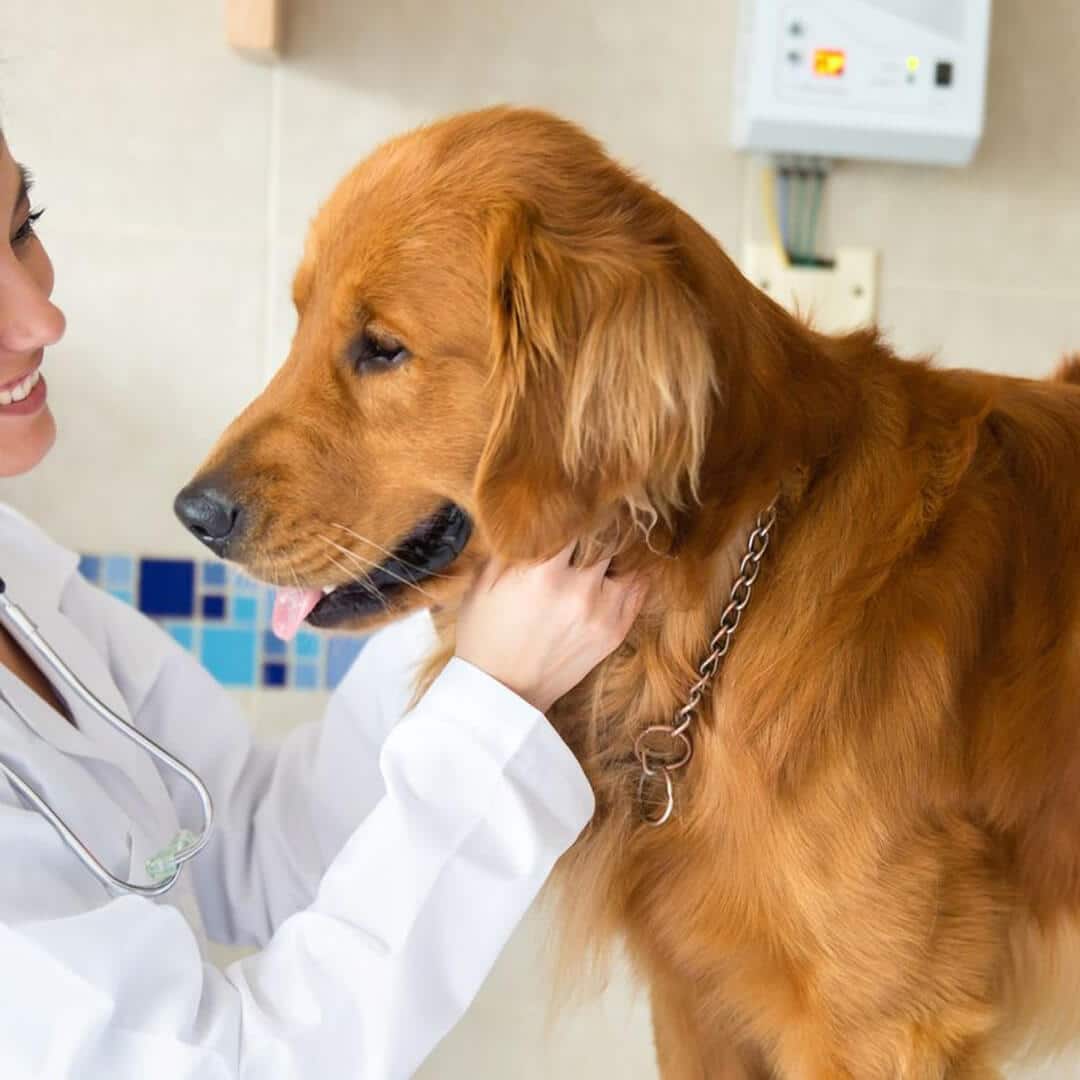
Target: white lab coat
378	863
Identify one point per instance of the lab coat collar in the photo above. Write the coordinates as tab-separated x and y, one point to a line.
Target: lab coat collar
36	571
34	566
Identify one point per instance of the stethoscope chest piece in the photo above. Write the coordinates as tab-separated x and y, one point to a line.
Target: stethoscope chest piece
163	868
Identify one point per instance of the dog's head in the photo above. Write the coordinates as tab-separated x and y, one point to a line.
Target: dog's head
501	346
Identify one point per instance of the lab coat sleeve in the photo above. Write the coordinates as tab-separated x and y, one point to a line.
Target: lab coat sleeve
477	798
362	983
284	810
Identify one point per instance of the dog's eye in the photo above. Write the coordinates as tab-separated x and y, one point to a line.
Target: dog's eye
370	353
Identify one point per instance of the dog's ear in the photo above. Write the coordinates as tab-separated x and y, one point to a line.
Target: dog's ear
604	382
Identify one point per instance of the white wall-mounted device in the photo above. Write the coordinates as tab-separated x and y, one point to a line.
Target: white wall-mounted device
897	80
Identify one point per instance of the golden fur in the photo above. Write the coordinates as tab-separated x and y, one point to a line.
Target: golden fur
874	871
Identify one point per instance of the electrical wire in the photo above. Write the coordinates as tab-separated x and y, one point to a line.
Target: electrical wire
798	239
815	210
768	195
785	207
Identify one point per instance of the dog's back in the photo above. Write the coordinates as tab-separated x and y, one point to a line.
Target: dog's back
1070	369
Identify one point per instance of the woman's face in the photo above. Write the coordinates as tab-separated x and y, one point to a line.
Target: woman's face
28	323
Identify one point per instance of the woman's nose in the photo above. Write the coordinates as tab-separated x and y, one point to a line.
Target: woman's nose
29	320
33	326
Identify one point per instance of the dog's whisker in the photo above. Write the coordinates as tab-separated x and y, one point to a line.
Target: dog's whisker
361	561
386	551
361	580
274	572
365	585
350	575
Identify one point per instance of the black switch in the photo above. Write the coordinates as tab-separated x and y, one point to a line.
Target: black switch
943	73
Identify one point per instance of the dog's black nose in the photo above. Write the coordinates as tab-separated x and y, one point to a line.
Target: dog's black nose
210	514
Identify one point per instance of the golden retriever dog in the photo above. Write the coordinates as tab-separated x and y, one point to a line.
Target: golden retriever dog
872	865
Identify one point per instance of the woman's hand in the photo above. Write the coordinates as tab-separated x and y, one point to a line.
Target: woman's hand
541	629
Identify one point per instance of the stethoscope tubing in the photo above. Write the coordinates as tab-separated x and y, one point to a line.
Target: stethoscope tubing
29	633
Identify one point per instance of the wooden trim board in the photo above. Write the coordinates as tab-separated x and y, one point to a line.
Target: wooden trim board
254	27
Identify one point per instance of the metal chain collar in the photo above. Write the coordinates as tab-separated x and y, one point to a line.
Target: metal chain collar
663	749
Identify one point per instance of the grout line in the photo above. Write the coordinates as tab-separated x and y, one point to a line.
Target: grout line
273	198
741	226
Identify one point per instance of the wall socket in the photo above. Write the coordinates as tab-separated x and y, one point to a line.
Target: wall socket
833	299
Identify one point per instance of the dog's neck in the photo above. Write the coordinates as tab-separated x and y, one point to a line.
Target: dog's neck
789	400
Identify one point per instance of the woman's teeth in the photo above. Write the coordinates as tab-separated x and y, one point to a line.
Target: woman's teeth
22	389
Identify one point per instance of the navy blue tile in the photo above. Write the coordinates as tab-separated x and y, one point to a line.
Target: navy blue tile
273	675
213	607
90	568
272	644
167	586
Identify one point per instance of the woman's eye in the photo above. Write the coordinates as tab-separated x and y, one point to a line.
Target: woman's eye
370	353
26	229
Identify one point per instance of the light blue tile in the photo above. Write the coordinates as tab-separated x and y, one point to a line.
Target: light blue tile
240	582
306	644
183	634
341	651
123	594
213	573
305	677
118	570
229	655
245	610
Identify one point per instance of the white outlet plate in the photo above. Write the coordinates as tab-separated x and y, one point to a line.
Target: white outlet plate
833	299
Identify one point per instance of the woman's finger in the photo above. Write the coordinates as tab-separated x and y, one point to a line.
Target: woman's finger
596	575
490	574
562	559
624	597
633	601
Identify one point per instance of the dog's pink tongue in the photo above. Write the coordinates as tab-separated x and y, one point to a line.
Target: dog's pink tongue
291	608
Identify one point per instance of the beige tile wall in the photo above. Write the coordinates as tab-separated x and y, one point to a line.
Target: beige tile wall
179	179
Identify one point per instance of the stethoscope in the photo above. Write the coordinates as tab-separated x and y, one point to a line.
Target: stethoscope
163	868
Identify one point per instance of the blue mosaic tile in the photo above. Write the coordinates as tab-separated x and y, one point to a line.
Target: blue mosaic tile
213	573
90	568
306	644
272	644
340	653
118	570
213	607
273	675
229	655
240	582
183	634
166	586
216	613
245	610
305	677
